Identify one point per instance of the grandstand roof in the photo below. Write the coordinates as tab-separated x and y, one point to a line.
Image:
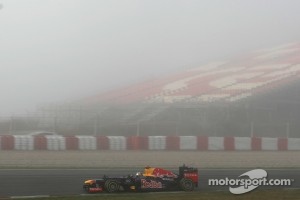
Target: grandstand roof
219	81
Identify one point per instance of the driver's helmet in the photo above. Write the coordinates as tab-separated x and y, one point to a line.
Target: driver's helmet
138	174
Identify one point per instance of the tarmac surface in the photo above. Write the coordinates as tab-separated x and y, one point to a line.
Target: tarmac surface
61	173
66	182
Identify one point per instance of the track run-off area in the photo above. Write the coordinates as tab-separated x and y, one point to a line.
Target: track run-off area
61	173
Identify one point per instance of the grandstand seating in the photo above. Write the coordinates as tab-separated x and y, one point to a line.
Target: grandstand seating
225	81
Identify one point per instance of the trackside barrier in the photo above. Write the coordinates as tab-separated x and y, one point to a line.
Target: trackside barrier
72	143
269	144
117	143
229	143
7	142
188	143
216	143
102	143
40	142
256	144
282	144
293	143
169	143
86	142
173	142
137	143
242	143
202	143
157	142
23	142
56	142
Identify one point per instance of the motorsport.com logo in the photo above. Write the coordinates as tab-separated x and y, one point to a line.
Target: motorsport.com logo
257	177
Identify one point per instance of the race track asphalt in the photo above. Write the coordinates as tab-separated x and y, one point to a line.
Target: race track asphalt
57	182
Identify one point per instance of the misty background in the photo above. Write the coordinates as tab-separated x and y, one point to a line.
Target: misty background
57	51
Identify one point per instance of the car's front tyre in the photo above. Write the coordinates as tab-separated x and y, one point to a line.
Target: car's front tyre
112	186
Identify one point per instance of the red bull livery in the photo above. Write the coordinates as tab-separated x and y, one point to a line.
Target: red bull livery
152	179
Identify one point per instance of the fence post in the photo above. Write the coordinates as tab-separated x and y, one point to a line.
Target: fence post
287	129
252	129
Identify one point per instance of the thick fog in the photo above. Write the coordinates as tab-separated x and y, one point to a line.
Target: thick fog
61	50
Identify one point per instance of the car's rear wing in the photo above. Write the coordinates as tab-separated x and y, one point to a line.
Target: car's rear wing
190	173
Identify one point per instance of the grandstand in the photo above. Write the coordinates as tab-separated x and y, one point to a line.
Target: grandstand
255	95
221	81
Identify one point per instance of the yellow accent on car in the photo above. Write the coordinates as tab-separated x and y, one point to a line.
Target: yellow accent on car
89	182
148	171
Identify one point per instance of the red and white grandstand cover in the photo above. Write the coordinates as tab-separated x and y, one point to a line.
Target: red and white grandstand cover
219	81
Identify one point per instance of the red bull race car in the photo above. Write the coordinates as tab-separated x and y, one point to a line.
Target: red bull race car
152	179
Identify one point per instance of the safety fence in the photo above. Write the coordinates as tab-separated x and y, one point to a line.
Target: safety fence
201	143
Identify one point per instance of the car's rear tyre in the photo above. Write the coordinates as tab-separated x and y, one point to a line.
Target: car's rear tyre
112	186
186	184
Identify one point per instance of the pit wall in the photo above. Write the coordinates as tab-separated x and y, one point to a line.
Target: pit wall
198	143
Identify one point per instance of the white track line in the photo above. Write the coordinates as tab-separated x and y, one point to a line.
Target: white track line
30	197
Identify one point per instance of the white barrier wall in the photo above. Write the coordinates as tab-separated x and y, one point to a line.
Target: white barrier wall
215	143
157	142
117	143
56	142
24	142
269	143
242	143
87	143
293	144
188	143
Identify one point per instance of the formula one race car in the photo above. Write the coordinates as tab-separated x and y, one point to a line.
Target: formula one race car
153	179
